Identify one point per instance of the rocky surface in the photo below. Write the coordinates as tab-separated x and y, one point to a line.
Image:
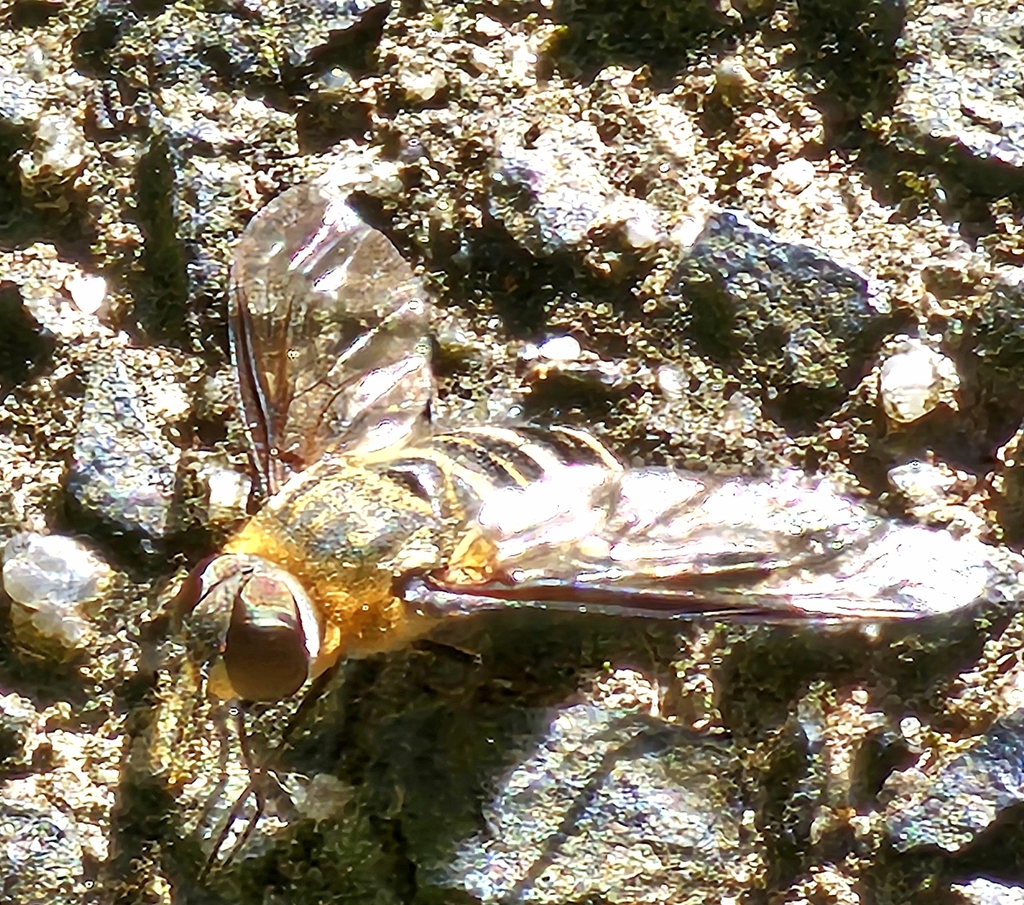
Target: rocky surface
961	90
782	308
729	235
986	892
125	460
949	806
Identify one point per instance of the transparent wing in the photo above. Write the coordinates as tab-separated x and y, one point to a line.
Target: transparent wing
329	333
669	544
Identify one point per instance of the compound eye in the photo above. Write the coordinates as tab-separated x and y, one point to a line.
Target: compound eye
266	655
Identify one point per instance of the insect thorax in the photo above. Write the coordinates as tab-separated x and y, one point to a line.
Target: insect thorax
346	533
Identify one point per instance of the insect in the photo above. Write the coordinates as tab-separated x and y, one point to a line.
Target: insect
375	529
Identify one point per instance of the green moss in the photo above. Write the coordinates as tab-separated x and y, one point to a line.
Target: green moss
662	34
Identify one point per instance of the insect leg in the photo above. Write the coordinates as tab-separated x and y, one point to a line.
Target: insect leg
256	775
261	776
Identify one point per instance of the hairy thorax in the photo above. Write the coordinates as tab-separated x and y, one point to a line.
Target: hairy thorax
346	533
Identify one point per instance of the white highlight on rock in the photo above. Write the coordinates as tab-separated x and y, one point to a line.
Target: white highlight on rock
560	348
487	27
915	379
87	290
423	86
643	230
50	578
921	482
981	891
794	176
228	493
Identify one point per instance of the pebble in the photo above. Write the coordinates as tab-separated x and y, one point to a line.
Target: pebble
22	100
981	891
914	380
733	83
786	309
88	291
794	176
51	580
552	195
920	482
40	855
617	785
956	97
424	85
228	494
125	461
949	804
59	150
489	28
560	348
740	418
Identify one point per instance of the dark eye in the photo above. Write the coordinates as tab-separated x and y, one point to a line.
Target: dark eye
253	619
266	653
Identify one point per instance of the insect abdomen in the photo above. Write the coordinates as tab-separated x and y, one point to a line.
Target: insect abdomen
458	471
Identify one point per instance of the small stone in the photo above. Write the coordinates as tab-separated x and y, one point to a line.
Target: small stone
935	494
322	798
598	788
41	855
785	310
960	88
915	379
456	341
560	348
794	176
981	891
423	86
59	150
740	417
336	81
672	381
584	369
125	461
50	569
552	195
733	83
912	731
22	100
947	802
489	28
51	581
921	483
229	494
356	169
88	291
483	61
642	230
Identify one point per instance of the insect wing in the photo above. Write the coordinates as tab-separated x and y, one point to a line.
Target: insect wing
662	543
329	334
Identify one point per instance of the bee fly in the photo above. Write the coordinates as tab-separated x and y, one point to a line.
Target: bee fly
375	529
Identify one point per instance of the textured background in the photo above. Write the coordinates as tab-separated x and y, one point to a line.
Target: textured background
744	212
